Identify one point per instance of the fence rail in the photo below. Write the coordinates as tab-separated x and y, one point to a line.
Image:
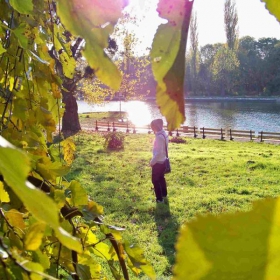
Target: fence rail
192	131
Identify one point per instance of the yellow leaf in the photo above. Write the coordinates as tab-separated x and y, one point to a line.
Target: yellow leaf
231	246
34	235
69	149
12	160
4	196
273	7
15	218
56	90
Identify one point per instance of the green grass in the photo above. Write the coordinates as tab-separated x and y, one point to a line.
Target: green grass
208	176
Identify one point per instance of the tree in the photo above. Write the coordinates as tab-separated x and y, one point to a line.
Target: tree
224	70
194	60
132	66
206	77
231	24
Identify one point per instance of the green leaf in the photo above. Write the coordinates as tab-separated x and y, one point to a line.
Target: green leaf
59	198
78	194
137	260
20	34
88	268
34	267
94	21
34	235
23	7
51	170
68	64
273	7
168	59
42	258
38	203
20	108
241	245
2	50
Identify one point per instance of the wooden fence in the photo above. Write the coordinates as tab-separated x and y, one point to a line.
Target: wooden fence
191	131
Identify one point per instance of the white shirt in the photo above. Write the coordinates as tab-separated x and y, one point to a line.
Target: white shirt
159	151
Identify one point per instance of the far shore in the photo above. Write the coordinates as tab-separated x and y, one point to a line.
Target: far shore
218	99
235	99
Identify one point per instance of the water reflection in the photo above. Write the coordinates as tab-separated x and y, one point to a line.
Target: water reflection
256	116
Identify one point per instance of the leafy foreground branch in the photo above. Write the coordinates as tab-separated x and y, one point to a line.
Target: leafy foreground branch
48	235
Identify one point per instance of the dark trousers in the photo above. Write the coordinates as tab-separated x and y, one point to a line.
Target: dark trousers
158	180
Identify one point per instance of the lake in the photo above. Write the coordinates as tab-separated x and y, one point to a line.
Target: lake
243	115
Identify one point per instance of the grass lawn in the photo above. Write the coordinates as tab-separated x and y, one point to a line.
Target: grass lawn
208	176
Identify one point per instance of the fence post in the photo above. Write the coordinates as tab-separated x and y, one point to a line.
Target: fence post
96	127
114	129
222	136
261	136
251	135
108	129
194	132
203	135
127	129
177	134
230	135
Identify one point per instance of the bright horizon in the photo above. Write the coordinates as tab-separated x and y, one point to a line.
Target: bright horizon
253	20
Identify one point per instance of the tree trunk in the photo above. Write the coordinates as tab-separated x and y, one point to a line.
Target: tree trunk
70	120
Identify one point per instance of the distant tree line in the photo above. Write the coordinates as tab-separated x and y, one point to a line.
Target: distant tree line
239	67
252	69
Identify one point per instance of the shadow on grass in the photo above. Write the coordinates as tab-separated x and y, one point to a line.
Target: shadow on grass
167	228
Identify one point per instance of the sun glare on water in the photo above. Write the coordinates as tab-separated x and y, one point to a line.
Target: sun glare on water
138	113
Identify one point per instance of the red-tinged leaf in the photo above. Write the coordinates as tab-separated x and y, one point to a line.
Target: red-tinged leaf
168	59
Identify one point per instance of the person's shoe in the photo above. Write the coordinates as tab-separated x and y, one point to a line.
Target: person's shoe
159	201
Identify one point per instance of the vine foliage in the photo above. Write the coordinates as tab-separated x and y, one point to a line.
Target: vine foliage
49	228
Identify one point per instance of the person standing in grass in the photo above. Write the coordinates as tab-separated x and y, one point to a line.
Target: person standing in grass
158	161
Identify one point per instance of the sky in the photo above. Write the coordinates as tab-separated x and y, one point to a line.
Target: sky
253	20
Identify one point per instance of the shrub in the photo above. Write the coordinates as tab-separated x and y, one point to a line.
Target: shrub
177	139
114	140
